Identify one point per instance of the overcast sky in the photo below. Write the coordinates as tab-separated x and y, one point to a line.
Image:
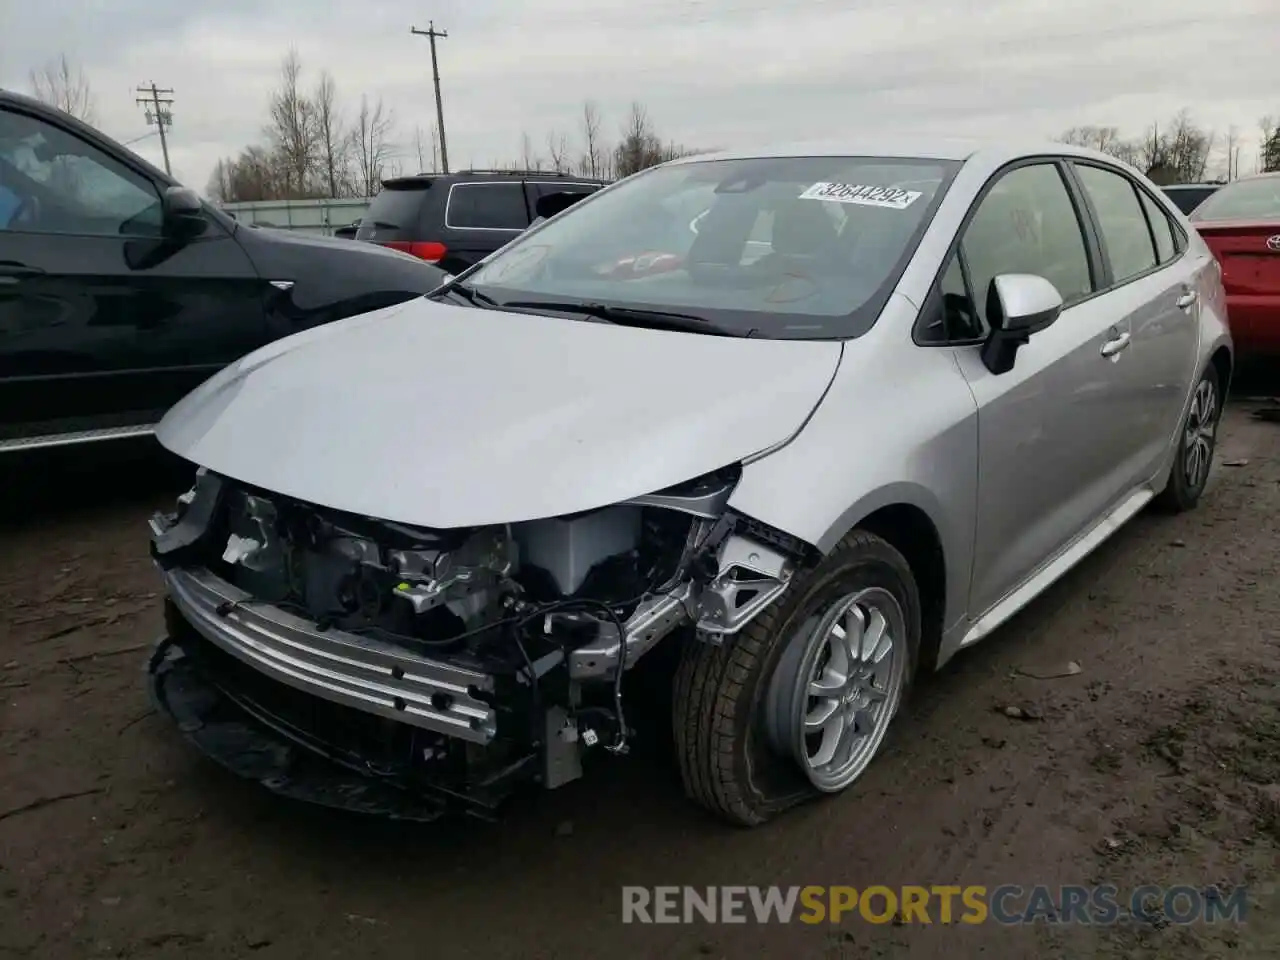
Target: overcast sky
713	73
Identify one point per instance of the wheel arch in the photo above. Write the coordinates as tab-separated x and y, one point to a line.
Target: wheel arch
905	516
1223	364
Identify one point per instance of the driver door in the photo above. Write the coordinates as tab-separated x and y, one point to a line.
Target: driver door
1051	446
102	325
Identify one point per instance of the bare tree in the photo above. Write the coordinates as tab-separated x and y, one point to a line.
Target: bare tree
1189	147
418	148
293	128
1178	152
639	146
558	150
1106	140
63	85
1233	152
254	175
330	134
529	159
594	151
1095	138
220	186
1269	148
373	149
427	148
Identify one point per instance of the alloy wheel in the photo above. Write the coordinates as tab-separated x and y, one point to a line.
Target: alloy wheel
1199	435
838	686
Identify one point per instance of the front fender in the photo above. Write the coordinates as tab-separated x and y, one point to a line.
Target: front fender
898	426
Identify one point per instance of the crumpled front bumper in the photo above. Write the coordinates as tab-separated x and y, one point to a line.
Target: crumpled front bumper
353	671
248	743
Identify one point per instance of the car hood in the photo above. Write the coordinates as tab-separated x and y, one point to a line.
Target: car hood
319	242
288	254
446	416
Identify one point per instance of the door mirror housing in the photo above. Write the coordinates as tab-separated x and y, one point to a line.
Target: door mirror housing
1018	305
183	214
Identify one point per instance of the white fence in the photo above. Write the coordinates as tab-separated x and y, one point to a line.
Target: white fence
305	216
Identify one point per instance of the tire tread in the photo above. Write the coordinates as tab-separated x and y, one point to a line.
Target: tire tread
710	683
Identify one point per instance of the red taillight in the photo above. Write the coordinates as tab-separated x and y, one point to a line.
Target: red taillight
429	250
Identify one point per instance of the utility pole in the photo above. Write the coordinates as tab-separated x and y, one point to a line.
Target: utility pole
431	33
158	112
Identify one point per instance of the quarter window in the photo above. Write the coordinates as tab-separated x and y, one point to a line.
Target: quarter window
1026	223
959	317
1161	228
54	182
1121	220
487	206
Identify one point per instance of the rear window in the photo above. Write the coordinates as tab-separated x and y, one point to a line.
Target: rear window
1243	200
394	214
487	206
1187	199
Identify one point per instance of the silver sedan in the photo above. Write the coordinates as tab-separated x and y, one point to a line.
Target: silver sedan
812	419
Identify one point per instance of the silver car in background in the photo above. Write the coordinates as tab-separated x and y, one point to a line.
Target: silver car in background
810	419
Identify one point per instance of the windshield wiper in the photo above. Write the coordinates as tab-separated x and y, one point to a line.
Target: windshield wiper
473	297
626	316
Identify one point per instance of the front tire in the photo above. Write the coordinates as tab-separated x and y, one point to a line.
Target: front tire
836	653
1197	440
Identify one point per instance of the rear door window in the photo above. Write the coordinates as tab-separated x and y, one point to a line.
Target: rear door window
1121	220
487	206
548	199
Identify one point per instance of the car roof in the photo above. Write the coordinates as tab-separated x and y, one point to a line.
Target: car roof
493	175
1268	175
954	149
19	99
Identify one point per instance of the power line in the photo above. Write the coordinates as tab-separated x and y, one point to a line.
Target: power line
158	112
431	33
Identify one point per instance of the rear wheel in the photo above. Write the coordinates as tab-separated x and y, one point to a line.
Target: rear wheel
1197	441
799	703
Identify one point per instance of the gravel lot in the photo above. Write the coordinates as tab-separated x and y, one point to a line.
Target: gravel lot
1159	762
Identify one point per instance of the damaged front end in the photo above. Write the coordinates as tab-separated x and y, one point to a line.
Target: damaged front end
370	665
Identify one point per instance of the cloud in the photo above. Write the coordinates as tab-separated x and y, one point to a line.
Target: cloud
711	72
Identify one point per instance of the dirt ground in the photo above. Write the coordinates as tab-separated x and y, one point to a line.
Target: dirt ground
1159	762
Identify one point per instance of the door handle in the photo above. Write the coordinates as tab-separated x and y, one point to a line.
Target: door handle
1112	347
13	272
1187	299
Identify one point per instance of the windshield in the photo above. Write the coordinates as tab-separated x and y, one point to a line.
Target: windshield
777	247
1243	200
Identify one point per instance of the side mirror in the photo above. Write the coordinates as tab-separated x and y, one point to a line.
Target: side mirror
1018	305
183	213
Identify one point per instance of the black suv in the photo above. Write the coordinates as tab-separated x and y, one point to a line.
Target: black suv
121	291
1187	196
457	219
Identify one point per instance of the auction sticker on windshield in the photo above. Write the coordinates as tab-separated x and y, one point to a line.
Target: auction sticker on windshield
863	195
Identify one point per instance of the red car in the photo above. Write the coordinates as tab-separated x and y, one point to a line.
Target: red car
1241	225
